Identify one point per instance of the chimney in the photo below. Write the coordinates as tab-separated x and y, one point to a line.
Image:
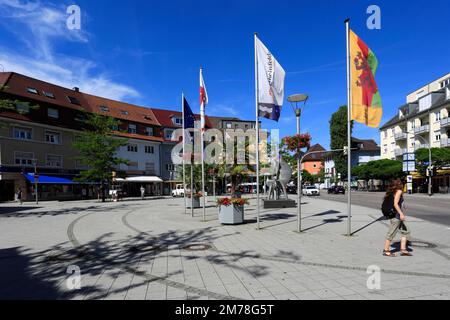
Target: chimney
76	89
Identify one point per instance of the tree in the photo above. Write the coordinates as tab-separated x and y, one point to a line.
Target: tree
339	139
379	170
440	158
98	146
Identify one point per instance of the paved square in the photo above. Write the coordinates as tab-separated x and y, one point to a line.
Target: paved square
138	250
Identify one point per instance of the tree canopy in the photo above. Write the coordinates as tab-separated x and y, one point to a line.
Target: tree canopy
339	139
384	169
98	149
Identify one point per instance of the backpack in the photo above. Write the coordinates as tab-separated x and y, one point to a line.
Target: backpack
388	207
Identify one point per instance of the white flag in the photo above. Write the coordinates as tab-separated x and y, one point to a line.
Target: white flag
271	78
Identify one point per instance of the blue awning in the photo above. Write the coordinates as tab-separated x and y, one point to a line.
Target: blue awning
47	179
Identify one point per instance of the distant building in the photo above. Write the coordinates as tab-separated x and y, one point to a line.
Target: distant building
368	150
314	163
421	123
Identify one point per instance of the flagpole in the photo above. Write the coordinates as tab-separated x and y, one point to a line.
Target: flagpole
184	154
257	133
202	122
349	133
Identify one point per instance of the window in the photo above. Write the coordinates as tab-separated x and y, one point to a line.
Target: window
48	94
32	90
149	149
177	121
53	113
170	167
74	100
22	108
123	112
53	161
148	118
149	131
437	136
169	134
23	158
133	166
150	166
132	128
22	133
132	148
445	83
53	137
437	116
104	108
228	125
80	117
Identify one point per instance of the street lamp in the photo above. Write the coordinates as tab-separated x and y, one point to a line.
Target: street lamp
36	177
297	100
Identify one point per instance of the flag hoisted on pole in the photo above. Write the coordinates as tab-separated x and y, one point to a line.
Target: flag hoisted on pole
364	101
349	134
203	103
188	123
184	152
269	94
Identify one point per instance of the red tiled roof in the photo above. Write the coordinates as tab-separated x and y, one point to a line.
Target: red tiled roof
317	156
140	137
165	118
17	85
116	108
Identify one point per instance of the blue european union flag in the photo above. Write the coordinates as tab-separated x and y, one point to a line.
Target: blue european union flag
189	117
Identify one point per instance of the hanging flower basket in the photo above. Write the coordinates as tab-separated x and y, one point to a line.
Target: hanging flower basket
297	142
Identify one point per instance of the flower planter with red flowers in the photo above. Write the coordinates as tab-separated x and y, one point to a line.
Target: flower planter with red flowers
231	211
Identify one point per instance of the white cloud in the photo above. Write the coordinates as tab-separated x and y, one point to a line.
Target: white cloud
64	76
38	26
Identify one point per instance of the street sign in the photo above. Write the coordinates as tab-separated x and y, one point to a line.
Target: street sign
409	157
409	166
409	179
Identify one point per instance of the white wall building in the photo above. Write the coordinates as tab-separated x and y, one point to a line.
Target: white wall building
420	123
143	157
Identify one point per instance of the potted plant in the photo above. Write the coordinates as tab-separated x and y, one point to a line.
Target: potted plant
194	202
231	210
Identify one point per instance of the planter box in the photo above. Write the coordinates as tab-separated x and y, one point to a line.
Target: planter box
194	202
231	215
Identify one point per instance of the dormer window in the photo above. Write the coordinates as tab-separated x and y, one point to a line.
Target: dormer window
148	118
32	90
48	94
74	100
104	108
445	83
177	121
123	112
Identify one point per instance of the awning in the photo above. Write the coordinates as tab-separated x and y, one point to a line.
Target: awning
144	179
47	179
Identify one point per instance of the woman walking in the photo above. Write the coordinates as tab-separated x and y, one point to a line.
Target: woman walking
394	199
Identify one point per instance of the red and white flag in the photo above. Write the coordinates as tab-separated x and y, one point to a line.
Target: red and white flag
203	100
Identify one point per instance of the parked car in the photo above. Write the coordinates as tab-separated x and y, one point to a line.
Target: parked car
311	191
336	190
291	189
178	191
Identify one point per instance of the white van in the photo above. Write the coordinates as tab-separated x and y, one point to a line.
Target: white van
178	191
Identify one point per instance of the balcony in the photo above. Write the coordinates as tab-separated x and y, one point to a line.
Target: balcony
400	136
445	122
445	143
422	146
399	152
422	129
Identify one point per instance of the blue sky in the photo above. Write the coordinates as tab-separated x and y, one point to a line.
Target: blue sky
148	52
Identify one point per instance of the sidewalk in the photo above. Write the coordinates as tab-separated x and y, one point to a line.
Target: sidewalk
157	252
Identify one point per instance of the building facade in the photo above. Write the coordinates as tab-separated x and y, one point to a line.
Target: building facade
38	137
423	122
